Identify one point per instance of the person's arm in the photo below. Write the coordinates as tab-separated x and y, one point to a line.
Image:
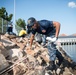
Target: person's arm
31	39
57	26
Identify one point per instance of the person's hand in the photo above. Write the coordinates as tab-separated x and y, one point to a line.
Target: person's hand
51	39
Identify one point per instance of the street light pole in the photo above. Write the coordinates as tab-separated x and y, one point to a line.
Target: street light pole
14	30
14	12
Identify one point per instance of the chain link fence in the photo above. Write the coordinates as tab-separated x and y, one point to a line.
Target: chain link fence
3	25
18	29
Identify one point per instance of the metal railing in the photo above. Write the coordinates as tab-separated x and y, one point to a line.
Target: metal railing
67	42
69	46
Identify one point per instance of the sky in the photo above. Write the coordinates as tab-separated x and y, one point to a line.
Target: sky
63	11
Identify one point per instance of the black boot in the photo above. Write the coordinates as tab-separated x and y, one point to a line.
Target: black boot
51	66
60	57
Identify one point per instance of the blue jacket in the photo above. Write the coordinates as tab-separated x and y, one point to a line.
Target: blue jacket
44	25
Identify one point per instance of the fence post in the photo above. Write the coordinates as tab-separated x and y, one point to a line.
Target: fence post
2	25
0	36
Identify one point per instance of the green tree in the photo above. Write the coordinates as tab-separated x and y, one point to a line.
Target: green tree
21	23
9	18
4	14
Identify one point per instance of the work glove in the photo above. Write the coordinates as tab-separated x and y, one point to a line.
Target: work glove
54	39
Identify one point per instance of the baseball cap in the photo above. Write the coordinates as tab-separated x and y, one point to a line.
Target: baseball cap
31	21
